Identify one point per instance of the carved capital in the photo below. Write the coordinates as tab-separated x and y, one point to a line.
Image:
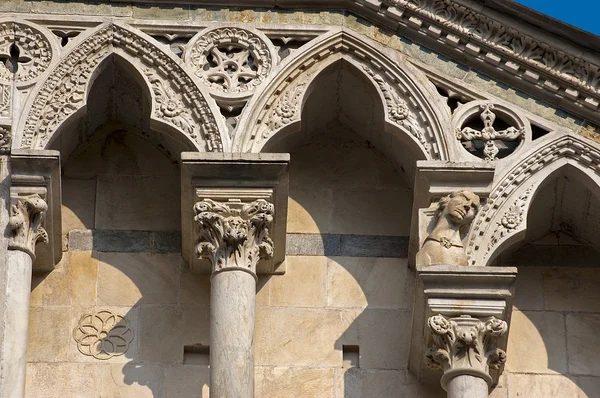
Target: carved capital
465	345
25	223
234	234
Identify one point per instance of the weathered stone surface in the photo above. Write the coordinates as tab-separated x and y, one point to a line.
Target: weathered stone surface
537	343
302	285
132	380
313	245
48	334
137	203
309	211
83	277
582	330
297	337
540	386
76	380
161	334
568	289
361	282
184	381
291	382
374	246
138	278
78	204
529	292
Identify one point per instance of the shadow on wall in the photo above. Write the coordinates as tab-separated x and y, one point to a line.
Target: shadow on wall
556	318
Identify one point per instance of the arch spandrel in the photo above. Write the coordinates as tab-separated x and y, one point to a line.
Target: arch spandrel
177	99
502	222
411	103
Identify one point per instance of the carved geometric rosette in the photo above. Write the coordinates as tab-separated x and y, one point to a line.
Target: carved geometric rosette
234	234
25	222
230	61
465	346
103	335
25	52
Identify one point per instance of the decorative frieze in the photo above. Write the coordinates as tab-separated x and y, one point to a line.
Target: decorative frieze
234	234
465	345
103	334
25	223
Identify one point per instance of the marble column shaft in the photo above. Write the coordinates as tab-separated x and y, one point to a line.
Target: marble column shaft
467	386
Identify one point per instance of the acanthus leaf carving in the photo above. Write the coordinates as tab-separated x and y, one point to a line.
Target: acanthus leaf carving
397	108
25	223
465	344
234	234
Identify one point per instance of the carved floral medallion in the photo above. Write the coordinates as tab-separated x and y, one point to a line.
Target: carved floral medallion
103	335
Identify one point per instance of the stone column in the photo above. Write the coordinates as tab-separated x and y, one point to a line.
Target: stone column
465	349
25	224
233	236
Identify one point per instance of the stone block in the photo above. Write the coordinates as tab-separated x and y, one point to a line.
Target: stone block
184	381
82	276
537	343
541	386
302	285
127	202
374	246
590	387
371	212
15	6
195	288
78	204
132	380
383	337
584	354
312	245
138	278
196	324
158	12
167	242
81	240
297	337
51	288
122	241
48	334
309	210
63	380
131	315
373	282
571	289
161	334
292	382
80	8
529	292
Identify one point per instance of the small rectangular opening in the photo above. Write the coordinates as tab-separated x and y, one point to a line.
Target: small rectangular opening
350	356
196	354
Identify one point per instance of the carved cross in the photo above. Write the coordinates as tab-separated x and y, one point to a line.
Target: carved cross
11	57
488	134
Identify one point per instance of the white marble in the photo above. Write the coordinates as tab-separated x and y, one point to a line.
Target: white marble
466	386
233	302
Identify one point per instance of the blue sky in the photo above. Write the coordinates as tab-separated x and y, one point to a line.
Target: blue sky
581	13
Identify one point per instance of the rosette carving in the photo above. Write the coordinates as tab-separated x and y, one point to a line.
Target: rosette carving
465	345
230	60
234	234
103	335
27	216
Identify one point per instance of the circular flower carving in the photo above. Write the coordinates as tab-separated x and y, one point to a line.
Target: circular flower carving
439	324
399	111
103	335
171	108
230	60
511	220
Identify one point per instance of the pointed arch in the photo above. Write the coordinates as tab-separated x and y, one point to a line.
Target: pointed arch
502	222
411	104
177	99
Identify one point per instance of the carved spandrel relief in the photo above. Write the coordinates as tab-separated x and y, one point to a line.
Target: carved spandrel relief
465	345
25	222
103	334
487	141
444	245
234	234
